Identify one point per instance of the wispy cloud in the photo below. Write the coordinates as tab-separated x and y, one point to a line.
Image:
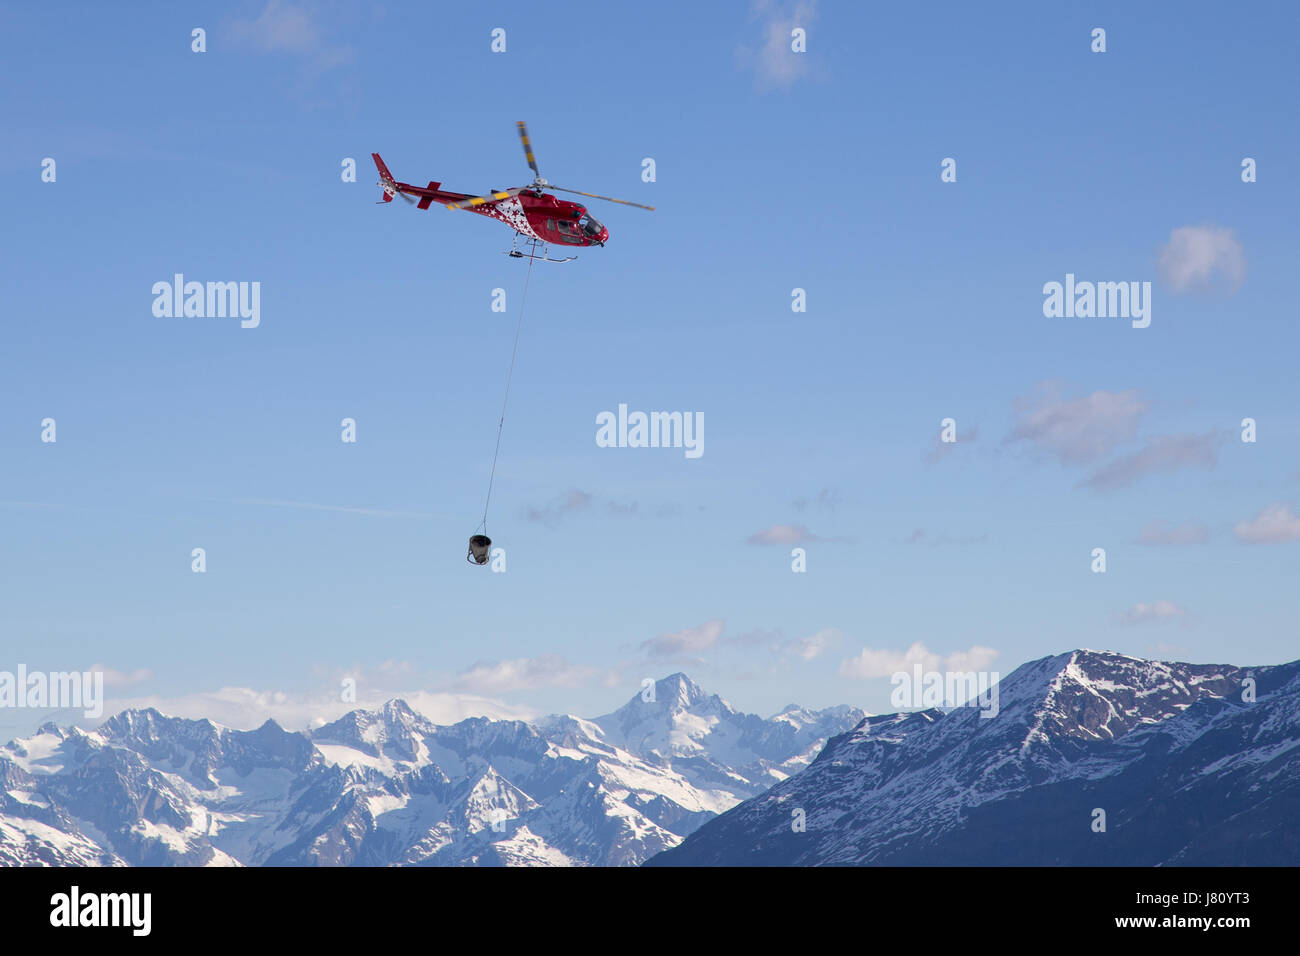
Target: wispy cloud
1155	612
570	503
1163	651
882	662
813	646
774	62
921	536
1196	258
576	501
692	640
117	678
1158	533
309	34
1276	523
752	638
523	673
827	499
1077	430
1161	453
783	534
293	28
940	449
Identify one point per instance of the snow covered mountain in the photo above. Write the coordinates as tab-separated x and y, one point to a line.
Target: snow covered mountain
1187	769
391	787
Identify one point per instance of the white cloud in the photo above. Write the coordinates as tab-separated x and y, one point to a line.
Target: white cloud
783	534
1274	524
976	659
1077	430
827	498
921	536
116	678
885	663
523	673
302	30
774	63
1154	612
283	27
1160	453
1162	651
812	646
571	502
1195	256
940	449
690	641
1162	533
576	501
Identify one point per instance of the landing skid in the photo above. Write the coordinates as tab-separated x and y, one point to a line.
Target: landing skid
536	249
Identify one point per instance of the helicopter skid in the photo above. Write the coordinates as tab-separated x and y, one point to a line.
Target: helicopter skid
532	245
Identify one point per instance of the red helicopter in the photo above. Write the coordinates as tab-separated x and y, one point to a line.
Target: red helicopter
532	213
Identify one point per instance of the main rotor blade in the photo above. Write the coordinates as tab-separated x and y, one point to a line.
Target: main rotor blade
481	200
528	149
625	202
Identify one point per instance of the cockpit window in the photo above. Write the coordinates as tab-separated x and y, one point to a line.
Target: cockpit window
591	226
568	230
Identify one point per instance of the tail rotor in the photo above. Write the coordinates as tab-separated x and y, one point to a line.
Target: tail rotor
387	183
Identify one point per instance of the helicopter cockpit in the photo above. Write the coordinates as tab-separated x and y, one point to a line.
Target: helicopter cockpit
591	227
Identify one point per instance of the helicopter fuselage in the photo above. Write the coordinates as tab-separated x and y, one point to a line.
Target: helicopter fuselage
532	214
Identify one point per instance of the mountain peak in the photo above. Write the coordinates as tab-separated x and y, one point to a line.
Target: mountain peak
392	732
388	785
1101	695
680	689
1198	774
150	724
398	713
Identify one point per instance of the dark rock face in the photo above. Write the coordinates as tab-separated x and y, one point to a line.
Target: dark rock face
1186	771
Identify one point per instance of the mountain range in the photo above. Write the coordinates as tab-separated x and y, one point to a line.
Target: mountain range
1092	759
390	787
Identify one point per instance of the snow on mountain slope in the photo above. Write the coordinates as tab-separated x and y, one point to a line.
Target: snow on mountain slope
704	738
1185	769
391	787
152	790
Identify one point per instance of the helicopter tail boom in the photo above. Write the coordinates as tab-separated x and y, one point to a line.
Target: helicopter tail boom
428	195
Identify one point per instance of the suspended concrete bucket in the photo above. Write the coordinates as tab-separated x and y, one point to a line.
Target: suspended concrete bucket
479	545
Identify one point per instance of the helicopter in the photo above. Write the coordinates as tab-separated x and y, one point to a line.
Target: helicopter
536	216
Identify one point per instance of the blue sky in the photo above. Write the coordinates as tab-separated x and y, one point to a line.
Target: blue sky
775	171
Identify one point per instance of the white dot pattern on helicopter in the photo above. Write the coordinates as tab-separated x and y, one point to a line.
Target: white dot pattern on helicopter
511	212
